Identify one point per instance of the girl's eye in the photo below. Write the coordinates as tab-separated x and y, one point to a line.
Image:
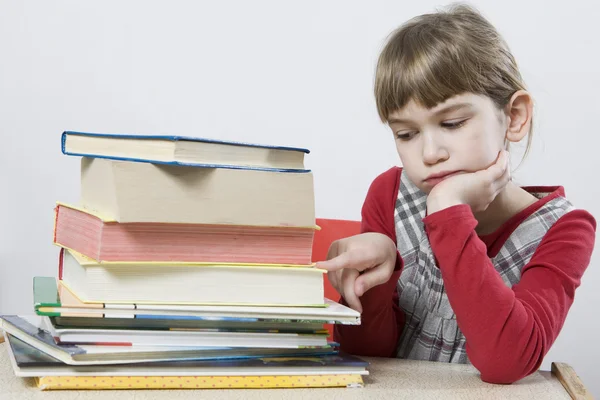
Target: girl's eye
405	135
454	124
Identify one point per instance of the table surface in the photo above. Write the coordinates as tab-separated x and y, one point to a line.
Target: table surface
388	378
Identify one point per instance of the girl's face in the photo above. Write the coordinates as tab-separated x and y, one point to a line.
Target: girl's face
463	134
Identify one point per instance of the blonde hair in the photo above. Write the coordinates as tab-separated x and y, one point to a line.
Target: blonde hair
433	57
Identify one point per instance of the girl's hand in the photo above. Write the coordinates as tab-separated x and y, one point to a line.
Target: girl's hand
477	189
358	263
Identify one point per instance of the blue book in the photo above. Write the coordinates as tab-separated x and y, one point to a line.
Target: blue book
185	151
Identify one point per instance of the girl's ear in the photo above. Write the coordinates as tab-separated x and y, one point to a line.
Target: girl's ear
519	111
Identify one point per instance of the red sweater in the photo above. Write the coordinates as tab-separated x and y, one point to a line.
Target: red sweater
508	330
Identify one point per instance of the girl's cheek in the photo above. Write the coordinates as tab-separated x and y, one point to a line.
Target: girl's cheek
482	153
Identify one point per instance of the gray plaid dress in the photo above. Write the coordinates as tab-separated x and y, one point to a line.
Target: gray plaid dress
431	332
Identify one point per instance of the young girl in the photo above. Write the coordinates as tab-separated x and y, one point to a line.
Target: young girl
456	263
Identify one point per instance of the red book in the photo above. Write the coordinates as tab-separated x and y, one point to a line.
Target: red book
103	239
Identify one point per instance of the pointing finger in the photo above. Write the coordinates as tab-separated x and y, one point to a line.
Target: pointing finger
355	259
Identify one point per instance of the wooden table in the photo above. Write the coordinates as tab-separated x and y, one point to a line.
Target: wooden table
389	378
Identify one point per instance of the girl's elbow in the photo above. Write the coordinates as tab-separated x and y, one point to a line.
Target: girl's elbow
504	376
504	368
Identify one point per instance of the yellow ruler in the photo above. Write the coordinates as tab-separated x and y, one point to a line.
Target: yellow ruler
197	382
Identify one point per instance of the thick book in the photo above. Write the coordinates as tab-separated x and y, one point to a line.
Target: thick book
183	150
205	283
30	330
103	239
142	192
52	298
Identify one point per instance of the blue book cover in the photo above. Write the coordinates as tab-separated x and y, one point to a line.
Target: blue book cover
169	138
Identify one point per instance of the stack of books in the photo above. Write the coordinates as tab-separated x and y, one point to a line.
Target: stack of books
186	258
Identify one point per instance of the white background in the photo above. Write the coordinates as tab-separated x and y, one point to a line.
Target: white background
290	73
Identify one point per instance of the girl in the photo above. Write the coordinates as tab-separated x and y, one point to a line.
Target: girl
456	263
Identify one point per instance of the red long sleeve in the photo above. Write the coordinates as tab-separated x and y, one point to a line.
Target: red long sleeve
509	331
381	319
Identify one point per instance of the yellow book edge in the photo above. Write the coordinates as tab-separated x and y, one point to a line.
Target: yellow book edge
196	382
108	219
87	261
127	302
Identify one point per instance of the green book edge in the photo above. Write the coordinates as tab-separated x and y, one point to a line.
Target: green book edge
45	294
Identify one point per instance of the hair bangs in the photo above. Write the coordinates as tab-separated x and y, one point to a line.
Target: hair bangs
428	75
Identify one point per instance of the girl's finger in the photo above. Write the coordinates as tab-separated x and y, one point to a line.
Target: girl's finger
334	250
352	259
348	278
496	171
333	278
502	181
500	166
373	277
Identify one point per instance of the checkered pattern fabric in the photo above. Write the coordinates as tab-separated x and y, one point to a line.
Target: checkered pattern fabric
431	332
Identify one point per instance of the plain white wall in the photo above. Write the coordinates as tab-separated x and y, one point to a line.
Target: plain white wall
291	73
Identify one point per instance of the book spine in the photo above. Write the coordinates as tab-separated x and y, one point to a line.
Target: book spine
55	222
61	258
196	382
63	141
